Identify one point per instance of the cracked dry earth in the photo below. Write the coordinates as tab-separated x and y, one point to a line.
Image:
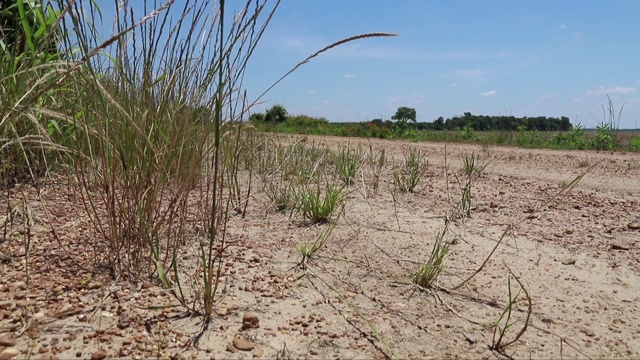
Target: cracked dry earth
578	257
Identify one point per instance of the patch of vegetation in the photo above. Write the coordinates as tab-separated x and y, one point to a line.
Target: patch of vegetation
527	132
412	170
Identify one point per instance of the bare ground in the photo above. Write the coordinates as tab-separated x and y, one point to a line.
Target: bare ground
578	257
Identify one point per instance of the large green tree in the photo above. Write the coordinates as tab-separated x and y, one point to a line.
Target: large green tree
277	114
405	114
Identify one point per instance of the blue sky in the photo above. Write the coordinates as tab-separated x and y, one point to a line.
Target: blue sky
535	58
549	58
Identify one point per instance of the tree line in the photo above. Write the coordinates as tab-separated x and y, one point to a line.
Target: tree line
481	122
405	119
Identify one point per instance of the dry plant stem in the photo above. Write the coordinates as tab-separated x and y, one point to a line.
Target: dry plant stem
498	345
557	197
562	340
446	172
326	48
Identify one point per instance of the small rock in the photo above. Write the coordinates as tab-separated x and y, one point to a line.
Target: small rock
569	261
231	349
633	226
223	312
19	285
242	344
9	353
257	353
94	285
48	357
141	338
250	321
99	355
7	341
620	247
470	338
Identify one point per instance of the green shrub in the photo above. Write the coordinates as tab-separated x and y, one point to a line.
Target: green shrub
634	144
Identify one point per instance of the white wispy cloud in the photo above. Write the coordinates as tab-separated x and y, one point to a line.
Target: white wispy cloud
603	90
349	76
488	93
563	26
577	34
312	92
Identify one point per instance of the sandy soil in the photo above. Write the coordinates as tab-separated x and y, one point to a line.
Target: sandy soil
578	257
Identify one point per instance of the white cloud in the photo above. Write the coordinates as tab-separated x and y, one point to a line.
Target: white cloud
602	90
312	92
349	76
328	101
488	93
577	34
563	26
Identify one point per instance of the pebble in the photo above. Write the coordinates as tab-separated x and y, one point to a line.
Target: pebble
569	261
250	321
94	285
257	353
9	353
7	341
99	355
242	344
618	246
19	285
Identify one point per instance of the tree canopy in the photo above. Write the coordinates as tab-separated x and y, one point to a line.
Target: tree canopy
405	114
277	114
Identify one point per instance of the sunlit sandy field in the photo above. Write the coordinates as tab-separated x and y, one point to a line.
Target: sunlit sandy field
575	253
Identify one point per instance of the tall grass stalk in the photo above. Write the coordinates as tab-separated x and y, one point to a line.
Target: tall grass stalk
150	118
472	167
159	118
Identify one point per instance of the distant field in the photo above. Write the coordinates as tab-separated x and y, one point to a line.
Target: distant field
575	139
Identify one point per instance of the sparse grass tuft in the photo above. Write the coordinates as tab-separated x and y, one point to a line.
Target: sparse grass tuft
429	272
414	168
347	162
583	163
505	322
318	205
309	248
472	168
